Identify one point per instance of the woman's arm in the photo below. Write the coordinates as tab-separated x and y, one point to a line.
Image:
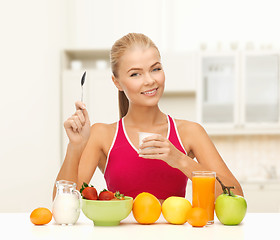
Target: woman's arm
82	159
92	154
77	128
69	168
207	157
197	141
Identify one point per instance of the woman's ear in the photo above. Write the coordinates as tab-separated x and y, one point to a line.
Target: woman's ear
116	82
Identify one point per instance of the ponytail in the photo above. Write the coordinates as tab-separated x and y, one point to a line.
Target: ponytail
123	104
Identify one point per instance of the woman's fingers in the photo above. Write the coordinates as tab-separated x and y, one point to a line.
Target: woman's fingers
74	122
77	122
152	151
80	105
71	124
153	143
86	116
81	116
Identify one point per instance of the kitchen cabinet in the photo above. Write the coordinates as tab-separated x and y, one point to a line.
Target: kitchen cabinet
262	196
180	72
260	88
218	88
238	92
99	23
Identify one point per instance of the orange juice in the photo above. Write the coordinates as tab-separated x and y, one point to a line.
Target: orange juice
203	192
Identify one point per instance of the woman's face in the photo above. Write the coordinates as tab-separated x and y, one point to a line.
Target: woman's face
140	76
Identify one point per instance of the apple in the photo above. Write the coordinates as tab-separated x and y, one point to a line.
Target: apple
230	209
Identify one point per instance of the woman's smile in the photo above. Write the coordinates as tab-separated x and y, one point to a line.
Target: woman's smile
150	93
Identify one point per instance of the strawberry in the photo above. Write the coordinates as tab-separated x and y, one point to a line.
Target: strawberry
118	196
88	192
106	195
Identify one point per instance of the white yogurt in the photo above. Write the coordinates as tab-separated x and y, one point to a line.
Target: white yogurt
66	208
143	135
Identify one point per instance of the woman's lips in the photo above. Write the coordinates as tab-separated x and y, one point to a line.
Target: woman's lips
151	92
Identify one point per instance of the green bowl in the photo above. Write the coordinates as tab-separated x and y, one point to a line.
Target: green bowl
107	213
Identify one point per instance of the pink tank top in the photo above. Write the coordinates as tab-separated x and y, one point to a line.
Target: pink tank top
130	174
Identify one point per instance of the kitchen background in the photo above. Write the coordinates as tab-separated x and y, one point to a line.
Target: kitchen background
221	60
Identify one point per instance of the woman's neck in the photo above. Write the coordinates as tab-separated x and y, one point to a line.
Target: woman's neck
144	116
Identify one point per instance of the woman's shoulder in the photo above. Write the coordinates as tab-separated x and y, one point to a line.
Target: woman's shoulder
189	127
103	134
104	127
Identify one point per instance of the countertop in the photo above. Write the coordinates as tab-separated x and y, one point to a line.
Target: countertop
254	226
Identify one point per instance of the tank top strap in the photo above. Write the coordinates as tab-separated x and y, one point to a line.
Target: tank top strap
120	135
174	136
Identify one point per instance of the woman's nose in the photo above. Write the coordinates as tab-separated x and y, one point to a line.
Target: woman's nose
148	79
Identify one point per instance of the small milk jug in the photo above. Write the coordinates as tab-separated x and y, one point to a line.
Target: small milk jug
66	205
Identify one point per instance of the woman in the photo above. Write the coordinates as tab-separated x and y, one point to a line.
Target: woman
165	161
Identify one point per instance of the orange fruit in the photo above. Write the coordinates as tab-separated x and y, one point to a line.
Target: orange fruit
40	216
146	208
197	217
175	210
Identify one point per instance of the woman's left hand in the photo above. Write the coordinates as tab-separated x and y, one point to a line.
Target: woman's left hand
158	147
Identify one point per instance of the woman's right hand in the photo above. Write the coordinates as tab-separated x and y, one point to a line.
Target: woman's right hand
77	126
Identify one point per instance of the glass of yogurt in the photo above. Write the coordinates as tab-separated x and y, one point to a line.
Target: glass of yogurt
66	205
143	135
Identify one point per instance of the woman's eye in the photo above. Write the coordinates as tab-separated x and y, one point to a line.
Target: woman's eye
156	69
134	74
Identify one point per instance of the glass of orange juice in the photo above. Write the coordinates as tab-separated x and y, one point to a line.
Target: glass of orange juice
203	192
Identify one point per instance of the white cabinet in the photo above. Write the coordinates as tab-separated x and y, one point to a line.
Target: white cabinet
262	196
260	88
238	92
98	24
103	97
180	72
218	89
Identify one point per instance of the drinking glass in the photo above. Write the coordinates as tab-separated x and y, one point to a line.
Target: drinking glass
203	192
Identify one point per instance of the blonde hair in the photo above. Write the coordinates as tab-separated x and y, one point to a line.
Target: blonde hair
118	49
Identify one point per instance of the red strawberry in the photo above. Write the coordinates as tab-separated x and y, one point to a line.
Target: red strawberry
106	195
88	192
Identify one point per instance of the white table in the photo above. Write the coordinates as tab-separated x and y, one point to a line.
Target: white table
254	226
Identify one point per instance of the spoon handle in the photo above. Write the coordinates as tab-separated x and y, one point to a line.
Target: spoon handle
82	84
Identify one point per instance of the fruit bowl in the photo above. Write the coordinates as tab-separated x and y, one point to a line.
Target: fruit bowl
107	213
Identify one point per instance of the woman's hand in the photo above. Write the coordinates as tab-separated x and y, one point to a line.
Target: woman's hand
77	126
158	147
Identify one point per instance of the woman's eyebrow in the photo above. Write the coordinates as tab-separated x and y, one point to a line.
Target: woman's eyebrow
141	68
155	64
134	69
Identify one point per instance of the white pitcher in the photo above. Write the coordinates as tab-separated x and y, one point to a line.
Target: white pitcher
66	205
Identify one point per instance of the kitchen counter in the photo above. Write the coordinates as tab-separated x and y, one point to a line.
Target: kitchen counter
254	226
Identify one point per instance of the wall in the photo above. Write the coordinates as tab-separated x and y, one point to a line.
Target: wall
31	39
250	157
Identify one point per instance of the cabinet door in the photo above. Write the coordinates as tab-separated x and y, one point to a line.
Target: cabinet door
179	71
261	88
103	97
262	197
218	89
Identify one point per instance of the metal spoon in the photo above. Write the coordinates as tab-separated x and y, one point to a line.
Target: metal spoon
82	84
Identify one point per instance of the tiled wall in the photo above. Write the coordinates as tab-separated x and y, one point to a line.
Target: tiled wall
250	157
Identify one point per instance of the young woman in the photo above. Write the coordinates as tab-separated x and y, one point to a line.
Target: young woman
162	170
